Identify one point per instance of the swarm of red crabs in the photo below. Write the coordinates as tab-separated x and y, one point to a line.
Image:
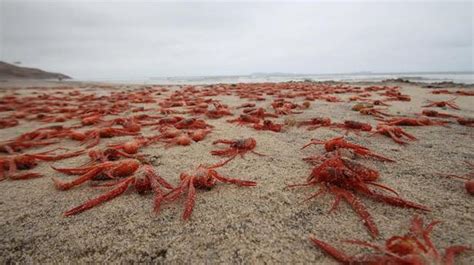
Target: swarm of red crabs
114	131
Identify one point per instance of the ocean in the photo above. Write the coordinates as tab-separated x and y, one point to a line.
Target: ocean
456	77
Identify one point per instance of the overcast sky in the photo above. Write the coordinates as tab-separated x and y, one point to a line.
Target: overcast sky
121	40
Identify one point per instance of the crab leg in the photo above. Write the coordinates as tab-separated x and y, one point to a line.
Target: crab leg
313	141
396	201
190	201
121	188
234	181
152	174
57	157
60	185
335	253
451	252
25	176
73	171
359	208
155	182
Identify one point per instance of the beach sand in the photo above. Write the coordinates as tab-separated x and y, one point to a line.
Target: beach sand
263	224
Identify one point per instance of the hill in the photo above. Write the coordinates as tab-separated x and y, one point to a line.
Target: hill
12	71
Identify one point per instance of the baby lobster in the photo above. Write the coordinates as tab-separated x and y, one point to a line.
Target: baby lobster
28	161
268	125
236	147
413	248
315	123
343	178
202	178
441	104
394	132
414	122
434	113
147	181
339	143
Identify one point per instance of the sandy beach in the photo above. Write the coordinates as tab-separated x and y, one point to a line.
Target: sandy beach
265	224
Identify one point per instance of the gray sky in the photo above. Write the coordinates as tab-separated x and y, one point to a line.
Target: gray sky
121	40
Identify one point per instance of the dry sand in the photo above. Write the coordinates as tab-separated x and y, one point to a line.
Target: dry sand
262	224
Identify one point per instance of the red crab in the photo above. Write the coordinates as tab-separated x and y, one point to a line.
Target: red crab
92	137
244	119
315	123
236	147
9	165
8	122
434	113
132	147
260	113
466	121
219	111
12	146
374	112
147	181
413	248
199	134
110	154
393	132
339	143
469	178
202	178
414	122
182	139
441	104
343	178
268	125
354	126
192	123
107	170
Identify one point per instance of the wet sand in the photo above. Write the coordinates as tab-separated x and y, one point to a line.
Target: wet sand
230	224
